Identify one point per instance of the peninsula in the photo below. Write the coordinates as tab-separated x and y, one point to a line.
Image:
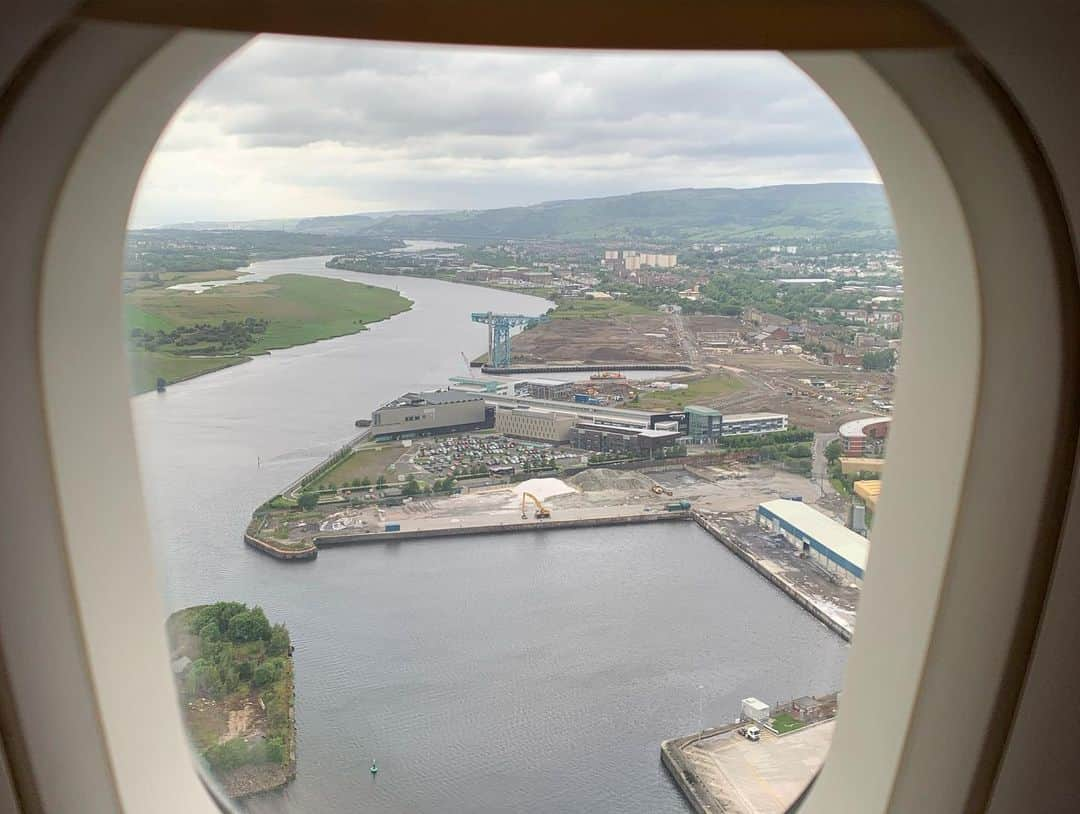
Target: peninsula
179	333
234	678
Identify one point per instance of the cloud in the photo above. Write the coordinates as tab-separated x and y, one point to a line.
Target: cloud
293	127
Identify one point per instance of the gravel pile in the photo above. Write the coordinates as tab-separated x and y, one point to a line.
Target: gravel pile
598	480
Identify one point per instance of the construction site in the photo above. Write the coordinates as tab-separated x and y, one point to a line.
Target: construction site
730	364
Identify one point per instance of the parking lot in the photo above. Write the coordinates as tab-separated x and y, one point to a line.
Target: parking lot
478	453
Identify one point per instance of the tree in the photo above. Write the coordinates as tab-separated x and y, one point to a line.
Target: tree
307	501
879	359
279	641
365	481
381	480
224	757
833	450
411	487
249	626
275	750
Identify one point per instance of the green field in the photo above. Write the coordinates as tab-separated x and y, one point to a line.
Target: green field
297	309
598	309
784	723
701	391
146	367
366	462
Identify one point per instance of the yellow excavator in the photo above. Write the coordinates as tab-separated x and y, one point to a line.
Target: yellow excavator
542	511
660	490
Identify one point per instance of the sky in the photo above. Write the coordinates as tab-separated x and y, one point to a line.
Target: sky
297	127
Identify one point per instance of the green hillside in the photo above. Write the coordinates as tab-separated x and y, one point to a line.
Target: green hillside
820	211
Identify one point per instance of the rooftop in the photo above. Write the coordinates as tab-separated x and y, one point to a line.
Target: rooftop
729	417
546	382
698	410
856	428
843	541
432	397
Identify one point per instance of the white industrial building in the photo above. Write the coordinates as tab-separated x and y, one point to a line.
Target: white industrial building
752	423
837	549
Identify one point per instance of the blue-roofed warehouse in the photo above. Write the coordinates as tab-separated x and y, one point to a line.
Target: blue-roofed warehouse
837	549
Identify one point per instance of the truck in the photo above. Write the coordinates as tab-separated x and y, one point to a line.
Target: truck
392	527
585	398
678	506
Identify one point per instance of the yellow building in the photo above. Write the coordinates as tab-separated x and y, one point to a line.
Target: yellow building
869	491
853	466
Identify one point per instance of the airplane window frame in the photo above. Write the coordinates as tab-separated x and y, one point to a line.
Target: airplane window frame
918	599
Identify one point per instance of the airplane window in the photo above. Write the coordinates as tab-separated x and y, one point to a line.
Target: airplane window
512	423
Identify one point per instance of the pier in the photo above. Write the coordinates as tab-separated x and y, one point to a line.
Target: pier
815	609
582	368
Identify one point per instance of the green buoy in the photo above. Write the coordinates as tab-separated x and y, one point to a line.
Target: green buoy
374	769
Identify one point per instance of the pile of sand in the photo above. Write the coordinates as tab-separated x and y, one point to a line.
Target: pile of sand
599	480
543	488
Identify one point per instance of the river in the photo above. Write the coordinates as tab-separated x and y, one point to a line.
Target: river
525	672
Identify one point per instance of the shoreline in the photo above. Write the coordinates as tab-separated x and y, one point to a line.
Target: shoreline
247	779
237	359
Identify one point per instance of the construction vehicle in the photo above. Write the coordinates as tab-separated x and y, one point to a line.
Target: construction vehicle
542	512
660	490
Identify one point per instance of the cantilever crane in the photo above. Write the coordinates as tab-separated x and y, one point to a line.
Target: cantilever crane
542	511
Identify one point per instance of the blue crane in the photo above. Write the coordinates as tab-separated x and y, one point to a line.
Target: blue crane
499	326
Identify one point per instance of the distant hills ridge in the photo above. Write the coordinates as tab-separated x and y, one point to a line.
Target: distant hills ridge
790	211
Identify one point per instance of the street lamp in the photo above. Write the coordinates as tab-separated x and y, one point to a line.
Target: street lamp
700	711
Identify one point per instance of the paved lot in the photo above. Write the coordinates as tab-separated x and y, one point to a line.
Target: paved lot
763	777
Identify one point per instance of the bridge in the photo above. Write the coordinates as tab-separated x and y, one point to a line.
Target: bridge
499	326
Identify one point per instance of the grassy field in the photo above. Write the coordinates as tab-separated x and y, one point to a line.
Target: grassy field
784	723
146	367
367	462
598	309
298	308
701	391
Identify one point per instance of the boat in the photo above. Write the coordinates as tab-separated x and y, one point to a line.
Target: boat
374	769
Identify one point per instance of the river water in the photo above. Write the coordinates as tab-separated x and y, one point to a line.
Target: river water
525	672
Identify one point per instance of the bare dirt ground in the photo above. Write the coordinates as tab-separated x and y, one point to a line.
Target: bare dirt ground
595	493
636	338
779	383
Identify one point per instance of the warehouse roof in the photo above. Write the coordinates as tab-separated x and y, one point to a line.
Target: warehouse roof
433	397
826	532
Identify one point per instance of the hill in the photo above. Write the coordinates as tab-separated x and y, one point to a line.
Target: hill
820	211
788	212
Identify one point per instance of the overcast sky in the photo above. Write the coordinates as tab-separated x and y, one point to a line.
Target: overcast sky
292	127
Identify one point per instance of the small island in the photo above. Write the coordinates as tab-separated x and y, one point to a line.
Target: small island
234	678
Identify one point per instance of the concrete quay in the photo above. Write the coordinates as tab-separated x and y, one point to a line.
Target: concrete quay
518	369
720	772
468	529
808	603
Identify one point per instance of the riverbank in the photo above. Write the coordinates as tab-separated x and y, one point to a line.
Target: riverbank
234	676
175	334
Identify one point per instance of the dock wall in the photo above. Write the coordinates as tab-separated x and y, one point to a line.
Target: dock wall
267	547
808	604
516	369
326	541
